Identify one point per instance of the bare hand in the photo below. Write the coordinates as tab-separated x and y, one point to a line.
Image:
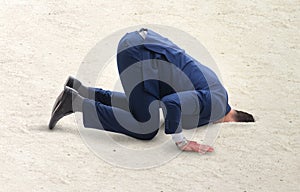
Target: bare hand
196	147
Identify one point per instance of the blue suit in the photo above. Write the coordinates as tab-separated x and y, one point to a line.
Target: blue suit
156	73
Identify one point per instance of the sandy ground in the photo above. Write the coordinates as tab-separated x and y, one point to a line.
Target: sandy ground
254	43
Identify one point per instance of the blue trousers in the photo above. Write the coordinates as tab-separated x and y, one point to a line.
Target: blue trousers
136	112
110	111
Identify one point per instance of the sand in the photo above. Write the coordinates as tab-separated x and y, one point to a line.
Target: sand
254	43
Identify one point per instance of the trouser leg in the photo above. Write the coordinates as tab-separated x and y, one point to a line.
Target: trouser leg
99	116
109	111
110	98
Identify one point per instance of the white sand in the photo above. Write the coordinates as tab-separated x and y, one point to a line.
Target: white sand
255	44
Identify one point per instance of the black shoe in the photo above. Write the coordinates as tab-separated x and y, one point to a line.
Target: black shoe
69	83
63	107
57	101
73	83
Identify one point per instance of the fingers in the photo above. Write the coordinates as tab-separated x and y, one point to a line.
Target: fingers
196	147
205	148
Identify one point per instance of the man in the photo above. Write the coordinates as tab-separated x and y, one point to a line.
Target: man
155	73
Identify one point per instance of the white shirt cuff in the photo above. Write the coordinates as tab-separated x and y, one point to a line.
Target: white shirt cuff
177	137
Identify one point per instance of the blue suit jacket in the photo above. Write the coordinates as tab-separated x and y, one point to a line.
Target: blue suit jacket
212	94
166	62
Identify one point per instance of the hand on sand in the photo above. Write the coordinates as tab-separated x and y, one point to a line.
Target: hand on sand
193	146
